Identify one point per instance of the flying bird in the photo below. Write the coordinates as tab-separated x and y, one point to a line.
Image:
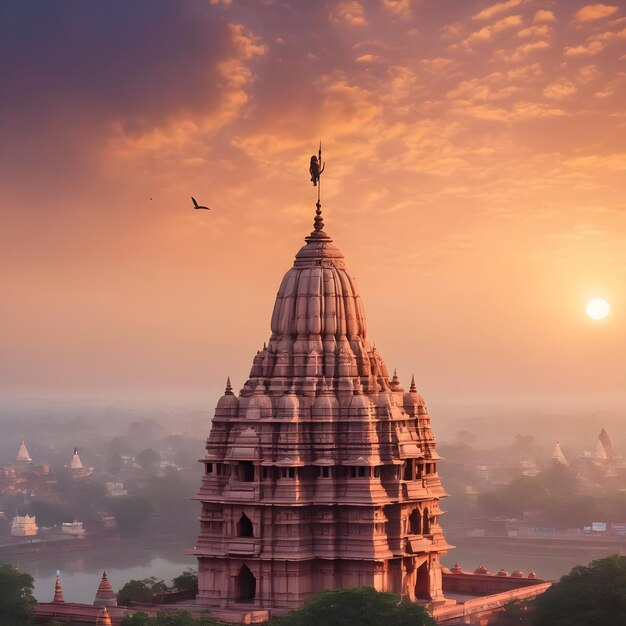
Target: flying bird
199	206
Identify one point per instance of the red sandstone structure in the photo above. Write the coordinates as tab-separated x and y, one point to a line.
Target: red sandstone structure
105	596
322	473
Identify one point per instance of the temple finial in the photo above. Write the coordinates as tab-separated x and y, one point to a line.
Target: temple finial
229	389
315	169
58	592
413	388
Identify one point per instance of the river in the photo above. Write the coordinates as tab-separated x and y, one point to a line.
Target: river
81	573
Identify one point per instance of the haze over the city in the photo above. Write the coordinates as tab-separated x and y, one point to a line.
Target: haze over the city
474	182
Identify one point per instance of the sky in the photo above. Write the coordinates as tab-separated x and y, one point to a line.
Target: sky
475	182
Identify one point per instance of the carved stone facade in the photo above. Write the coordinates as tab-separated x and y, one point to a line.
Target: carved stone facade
322	473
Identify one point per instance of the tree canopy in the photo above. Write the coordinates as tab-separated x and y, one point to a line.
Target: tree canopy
187	581
17	603
140	590
363	606
590	595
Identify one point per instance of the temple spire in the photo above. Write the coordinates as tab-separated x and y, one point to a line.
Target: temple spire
413	388
58	592
22	454
229	388
105	596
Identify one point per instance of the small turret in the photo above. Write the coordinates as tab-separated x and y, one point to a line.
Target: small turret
105	596
228	404
58	592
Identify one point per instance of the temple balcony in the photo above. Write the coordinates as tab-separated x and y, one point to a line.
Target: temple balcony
242	491
244	546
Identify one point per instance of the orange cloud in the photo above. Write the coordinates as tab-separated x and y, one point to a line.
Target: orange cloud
559	89
366	58
542	30
399	7
523	51
584	50
587	73
496	9
594	12
544	16
350	12
487	32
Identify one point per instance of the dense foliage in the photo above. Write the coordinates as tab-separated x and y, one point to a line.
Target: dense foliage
363	606
144	590
16	597
140	590
187	581
131	512
594	595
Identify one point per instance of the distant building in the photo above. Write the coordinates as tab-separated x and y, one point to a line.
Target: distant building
558	456
116	490
76	464
23	458
24	526
605	440
77	470
73	528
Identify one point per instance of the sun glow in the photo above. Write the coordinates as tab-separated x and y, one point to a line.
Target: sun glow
598	309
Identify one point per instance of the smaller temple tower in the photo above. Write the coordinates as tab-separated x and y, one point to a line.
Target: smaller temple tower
76	464
105	596
58	592
557	455
23	458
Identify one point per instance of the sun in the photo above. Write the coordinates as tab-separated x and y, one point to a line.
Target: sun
598	308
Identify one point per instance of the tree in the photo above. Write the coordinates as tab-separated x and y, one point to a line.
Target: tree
131	512
17	603
187	581
140	590
147	458
587	596
363	606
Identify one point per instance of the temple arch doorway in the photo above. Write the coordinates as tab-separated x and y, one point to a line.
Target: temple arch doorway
415	522
245	585
244	526
422	585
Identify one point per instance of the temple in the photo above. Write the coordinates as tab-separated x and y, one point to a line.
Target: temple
322	472
22	455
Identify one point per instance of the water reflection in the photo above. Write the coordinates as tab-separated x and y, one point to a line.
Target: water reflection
80	574
547	566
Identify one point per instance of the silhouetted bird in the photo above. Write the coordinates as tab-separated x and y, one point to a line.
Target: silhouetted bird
198	206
